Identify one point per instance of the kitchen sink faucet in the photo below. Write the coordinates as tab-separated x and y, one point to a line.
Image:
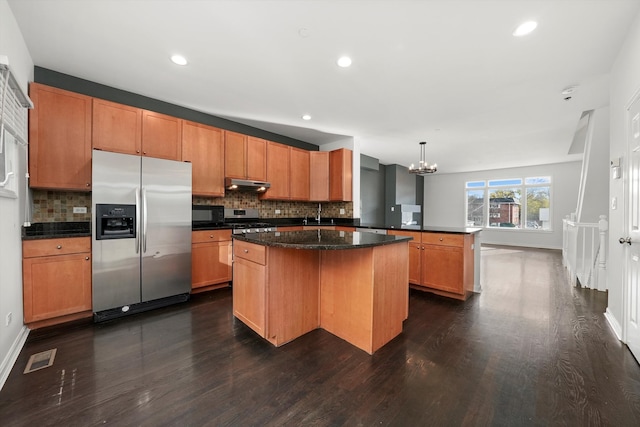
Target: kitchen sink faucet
319	210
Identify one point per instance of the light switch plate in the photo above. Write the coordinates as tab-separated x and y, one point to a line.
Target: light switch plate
80	209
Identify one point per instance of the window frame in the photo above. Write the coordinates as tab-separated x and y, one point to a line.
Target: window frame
525	183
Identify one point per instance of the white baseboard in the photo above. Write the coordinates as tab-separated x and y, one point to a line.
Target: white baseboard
12	355
613	323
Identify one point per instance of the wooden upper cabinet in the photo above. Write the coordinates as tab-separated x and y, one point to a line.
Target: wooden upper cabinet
319	176
341	175
245	157
203	146
59	139
161	136
299	174
235	155
256	159
116	127
278	166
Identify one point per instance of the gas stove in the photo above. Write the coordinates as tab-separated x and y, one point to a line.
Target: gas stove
245	221
251	227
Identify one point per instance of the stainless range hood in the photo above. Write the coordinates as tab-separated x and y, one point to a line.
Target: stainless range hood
236	184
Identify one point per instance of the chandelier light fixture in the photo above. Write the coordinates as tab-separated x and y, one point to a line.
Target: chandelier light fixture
423	168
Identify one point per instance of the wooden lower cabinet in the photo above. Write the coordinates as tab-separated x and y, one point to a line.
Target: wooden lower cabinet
358	294
56	280
249	285
442	263
210	259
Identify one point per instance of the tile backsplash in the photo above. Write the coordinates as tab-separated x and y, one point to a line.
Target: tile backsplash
267	208
57	206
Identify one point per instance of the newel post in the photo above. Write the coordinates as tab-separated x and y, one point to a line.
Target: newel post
603	227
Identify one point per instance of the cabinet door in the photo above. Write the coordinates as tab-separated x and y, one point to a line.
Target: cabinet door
56	286
319	176
203	146
59	139
299	174
256	159
249	294
210	264
116	127
341	175
415	255
235	155
442	268
161	136
278	166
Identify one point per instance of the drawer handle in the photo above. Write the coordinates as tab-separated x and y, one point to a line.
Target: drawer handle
246	251
59	247
211	236
87	258
441	239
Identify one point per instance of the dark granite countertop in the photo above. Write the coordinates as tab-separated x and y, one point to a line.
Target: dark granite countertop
51	230
433	229
320	239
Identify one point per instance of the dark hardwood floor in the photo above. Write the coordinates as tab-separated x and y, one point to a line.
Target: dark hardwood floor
530	350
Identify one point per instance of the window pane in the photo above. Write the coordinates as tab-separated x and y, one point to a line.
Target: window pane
503	182
475	208
505	207
538	208
475	184
538	180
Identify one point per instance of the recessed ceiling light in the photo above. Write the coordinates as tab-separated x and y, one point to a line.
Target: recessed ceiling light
179	59
344	61
306	117
525	28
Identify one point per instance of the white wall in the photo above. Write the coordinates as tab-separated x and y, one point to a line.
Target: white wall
625	82
596	167
445	202
12	337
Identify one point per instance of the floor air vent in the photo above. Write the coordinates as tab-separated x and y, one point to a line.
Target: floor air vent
41	360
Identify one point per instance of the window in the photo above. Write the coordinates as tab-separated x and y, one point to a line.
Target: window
8	159
514	203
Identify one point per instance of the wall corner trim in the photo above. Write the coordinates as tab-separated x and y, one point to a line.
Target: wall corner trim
12	355
613	323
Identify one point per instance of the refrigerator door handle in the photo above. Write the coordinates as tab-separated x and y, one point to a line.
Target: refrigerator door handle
137	220
144	220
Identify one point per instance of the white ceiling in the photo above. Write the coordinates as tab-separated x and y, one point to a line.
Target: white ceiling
445	71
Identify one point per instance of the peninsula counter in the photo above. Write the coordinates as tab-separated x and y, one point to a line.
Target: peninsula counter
353	285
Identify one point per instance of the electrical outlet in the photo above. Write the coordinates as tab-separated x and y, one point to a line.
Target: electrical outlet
342	211
8	319
79	209
277	211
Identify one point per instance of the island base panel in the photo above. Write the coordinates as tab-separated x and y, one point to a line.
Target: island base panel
293	294
346	295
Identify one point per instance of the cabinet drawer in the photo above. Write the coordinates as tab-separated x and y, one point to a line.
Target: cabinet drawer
249	251
203	236
49	247
443	239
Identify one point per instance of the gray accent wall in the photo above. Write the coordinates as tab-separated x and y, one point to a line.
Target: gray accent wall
372	195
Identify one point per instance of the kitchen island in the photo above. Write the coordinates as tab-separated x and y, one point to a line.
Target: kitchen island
353	285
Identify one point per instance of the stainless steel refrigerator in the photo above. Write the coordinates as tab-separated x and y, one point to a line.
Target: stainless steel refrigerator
141	233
